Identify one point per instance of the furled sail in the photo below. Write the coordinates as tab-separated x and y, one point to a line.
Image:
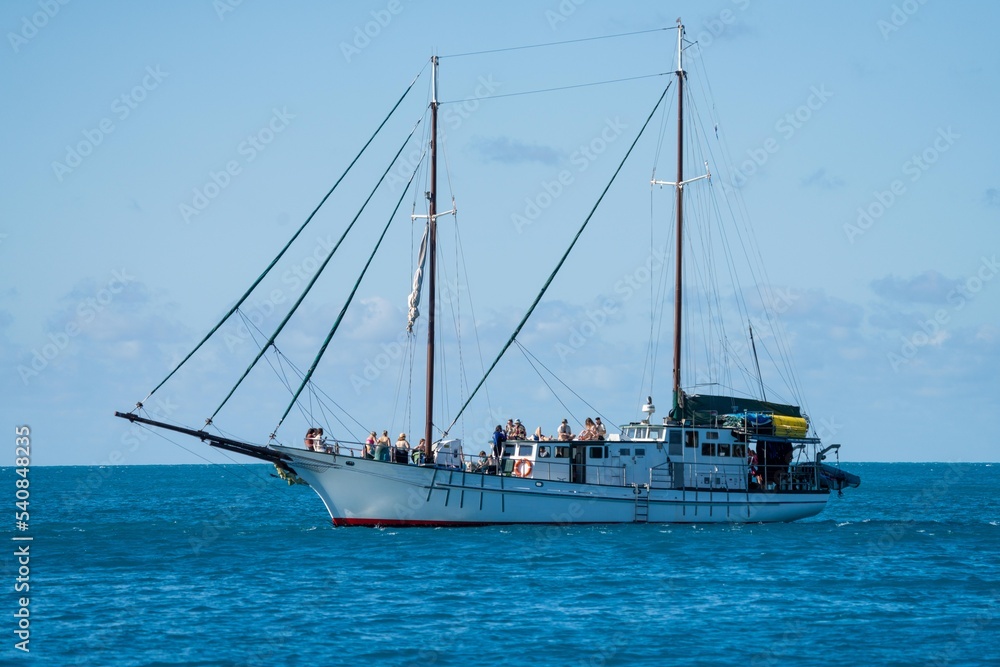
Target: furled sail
418	279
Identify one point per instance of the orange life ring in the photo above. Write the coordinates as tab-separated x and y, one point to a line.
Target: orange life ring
522	468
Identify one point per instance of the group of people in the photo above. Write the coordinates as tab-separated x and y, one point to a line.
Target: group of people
593	429
515	430
316	442
381	448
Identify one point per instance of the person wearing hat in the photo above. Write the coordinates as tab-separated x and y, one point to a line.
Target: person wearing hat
519	432
564	431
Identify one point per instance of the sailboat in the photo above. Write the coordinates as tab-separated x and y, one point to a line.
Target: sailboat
709	459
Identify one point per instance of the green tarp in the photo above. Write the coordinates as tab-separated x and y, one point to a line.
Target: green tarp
704	409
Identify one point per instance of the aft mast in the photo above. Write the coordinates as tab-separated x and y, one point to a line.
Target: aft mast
432	266
675	412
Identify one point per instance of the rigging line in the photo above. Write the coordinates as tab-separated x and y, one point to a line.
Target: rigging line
244	478
783	347
550	90
472	306
568	41
350	298
562	261
319	395
524	351
290	241
528	352
319	272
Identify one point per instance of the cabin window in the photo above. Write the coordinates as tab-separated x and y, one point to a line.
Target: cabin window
543	452
691	438
625	451
711	435
708	449
524	450
739	450
655	433
641	432
562	452
675	437
723	449
597	452
640	451
508	450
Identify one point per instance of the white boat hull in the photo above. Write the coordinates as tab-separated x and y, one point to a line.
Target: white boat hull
362	492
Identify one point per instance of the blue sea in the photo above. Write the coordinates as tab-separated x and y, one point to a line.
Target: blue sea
227	565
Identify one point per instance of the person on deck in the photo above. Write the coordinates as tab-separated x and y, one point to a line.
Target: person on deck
499	437
401	451
382	446
754	479
564	431
508	430
417	456
309	438
601	431
369	451
589	431
538	435
519	432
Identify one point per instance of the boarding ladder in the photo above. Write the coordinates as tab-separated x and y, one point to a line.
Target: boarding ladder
641	503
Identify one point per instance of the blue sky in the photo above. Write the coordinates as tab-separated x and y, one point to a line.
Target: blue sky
156	156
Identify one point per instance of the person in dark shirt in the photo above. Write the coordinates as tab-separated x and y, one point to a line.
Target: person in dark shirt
499	437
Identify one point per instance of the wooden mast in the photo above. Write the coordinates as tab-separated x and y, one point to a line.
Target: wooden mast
432	267
678	275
